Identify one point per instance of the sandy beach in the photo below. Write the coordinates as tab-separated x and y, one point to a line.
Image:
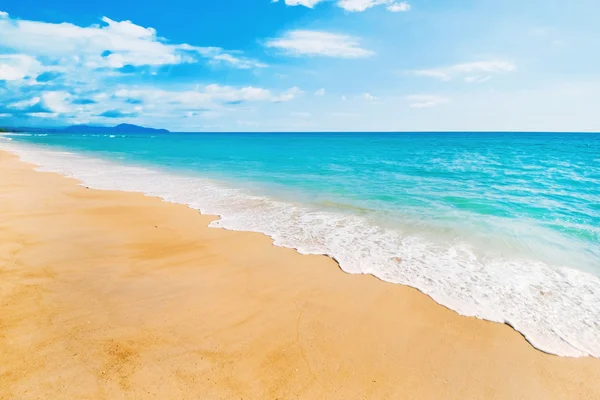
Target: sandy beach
114	295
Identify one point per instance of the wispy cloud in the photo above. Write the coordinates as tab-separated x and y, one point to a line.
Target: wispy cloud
362	5
425	101
477	79
319	43
25	104
320	92
305	3
205	97
474	72
288	95
218	56
354	5
399	7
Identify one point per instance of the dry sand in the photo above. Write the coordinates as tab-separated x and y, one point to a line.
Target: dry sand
112	295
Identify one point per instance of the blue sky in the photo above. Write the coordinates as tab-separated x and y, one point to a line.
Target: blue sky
302	65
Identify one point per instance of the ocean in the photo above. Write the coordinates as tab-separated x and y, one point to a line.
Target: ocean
500	226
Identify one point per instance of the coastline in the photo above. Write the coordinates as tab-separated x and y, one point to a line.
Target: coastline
117	294
511	290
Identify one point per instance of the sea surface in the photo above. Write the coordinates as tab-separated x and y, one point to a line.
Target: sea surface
501	226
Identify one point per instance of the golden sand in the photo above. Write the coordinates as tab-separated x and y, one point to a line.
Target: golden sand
112	295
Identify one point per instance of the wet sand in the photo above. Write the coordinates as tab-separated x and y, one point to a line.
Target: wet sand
114	295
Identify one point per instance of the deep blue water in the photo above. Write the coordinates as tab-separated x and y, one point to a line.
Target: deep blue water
502	214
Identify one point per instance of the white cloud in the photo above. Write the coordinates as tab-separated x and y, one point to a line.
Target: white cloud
353	5
399	7
369	97
319	43
230	94
288	95
426	101
485	66
205	97
362	5
113	45
237	62
57	101
3	14
320	92
43	115
216	55
25	103
15	67
477	79
359	5
305	3
473	72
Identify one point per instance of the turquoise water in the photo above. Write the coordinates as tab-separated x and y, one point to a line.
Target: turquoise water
503	226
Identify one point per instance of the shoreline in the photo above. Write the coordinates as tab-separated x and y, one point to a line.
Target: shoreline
557	324
268	321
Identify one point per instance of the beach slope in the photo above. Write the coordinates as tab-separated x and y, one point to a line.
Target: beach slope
111	295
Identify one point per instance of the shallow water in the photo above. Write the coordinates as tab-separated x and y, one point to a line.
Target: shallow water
504	227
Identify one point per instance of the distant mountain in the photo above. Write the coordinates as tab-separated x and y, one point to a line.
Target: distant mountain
122	128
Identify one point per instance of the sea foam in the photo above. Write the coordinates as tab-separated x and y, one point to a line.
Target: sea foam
557	309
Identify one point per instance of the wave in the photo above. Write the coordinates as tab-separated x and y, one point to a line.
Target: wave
557	309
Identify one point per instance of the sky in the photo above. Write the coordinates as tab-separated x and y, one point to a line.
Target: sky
302	65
